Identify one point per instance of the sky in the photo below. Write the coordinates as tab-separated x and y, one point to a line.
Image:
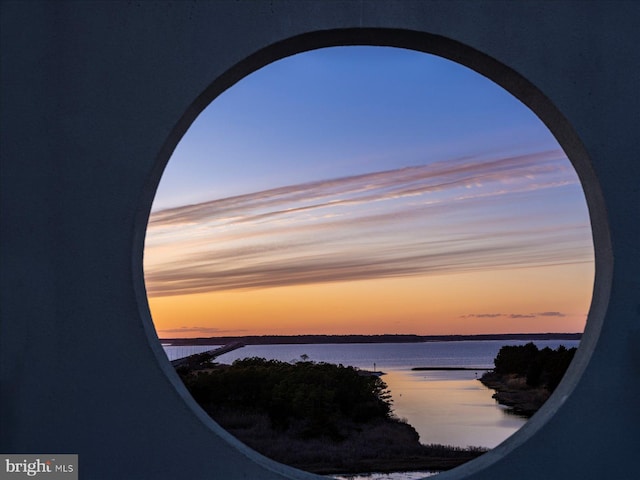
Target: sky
368	190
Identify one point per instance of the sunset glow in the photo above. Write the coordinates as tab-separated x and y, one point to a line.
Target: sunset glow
428	202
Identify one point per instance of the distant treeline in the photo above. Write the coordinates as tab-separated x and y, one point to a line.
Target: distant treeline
387	338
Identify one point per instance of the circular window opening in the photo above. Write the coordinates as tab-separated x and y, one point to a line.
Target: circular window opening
370	226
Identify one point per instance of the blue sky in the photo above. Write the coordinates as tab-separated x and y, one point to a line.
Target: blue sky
357	165
344	111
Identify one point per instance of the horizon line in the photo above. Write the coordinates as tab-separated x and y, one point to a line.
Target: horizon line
374	335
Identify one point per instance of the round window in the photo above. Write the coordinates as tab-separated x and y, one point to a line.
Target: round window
369	259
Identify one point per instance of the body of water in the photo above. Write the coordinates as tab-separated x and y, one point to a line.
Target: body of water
445	407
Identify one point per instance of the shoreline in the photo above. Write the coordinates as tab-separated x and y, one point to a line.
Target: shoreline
524	376
344	426
382	447
512	391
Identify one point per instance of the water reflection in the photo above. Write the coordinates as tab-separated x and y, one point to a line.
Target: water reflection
450	408
445	406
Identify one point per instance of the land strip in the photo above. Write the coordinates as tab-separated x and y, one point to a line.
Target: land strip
524	376
513	392
386	338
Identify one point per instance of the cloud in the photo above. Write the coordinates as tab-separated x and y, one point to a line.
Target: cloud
364	188
195	329
443	217
198	276
513	315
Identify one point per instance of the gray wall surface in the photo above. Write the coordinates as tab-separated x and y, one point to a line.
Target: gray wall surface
94	97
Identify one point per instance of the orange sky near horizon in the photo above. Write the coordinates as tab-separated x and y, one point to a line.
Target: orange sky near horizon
523	300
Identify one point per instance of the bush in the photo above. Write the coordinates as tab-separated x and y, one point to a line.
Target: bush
321	394
542	368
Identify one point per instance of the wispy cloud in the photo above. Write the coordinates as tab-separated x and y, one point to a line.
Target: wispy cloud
197	329
550	314
369	187
513	315
437	218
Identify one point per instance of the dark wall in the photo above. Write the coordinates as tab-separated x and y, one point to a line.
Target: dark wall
95	95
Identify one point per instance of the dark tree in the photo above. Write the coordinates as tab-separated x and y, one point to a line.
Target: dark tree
542	368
